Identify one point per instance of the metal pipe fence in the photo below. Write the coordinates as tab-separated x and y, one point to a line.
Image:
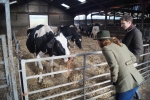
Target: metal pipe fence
10	52
85	94
5	81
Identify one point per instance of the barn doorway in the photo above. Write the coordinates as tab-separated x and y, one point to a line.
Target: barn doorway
38	19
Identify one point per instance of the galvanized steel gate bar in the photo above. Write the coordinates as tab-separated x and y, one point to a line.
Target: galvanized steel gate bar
10	53
25	78
6	73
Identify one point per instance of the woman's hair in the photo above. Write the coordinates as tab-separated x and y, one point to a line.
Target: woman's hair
109	41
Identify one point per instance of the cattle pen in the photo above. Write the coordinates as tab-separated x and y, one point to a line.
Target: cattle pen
88	80
88	76
85	94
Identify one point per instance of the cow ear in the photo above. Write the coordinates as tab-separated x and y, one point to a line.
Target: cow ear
29	31
50	44
49	33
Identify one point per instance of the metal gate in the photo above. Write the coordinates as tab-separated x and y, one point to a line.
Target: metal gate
145	71
6	77
5	82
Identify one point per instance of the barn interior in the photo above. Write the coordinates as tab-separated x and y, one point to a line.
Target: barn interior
16	17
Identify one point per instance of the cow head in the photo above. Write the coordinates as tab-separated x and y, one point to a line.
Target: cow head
78	41
58	46
55	47
71	31
76	37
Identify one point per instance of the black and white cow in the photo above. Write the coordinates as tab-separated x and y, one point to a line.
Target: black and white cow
42	41
82	29
89	30
71	31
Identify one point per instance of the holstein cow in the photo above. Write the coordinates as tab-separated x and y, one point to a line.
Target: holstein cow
89	30
42	41
82	28
95	30
71	31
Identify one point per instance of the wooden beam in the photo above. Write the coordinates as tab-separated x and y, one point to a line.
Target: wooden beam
101	6
106	10
143	3
95	3
81	8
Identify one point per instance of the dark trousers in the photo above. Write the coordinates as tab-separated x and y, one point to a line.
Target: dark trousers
128	95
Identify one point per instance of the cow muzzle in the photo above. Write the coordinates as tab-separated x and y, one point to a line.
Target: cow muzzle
66	59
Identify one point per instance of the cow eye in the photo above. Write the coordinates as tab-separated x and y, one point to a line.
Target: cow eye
58	45
50	45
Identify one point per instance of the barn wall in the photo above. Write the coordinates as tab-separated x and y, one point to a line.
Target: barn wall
20	16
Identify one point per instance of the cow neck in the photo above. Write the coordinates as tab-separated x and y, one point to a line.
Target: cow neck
51	43
57	34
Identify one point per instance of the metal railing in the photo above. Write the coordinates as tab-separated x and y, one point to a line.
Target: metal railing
84	94
10	50
5	72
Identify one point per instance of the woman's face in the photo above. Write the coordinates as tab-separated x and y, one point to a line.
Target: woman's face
99	43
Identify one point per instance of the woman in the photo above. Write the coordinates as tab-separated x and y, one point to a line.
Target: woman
124	76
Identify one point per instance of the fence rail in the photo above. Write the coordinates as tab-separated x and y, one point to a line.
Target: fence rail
83	68
4	71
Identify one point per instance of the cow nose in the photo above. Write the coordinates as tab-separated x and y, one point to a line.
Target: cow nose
70	58
65	59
